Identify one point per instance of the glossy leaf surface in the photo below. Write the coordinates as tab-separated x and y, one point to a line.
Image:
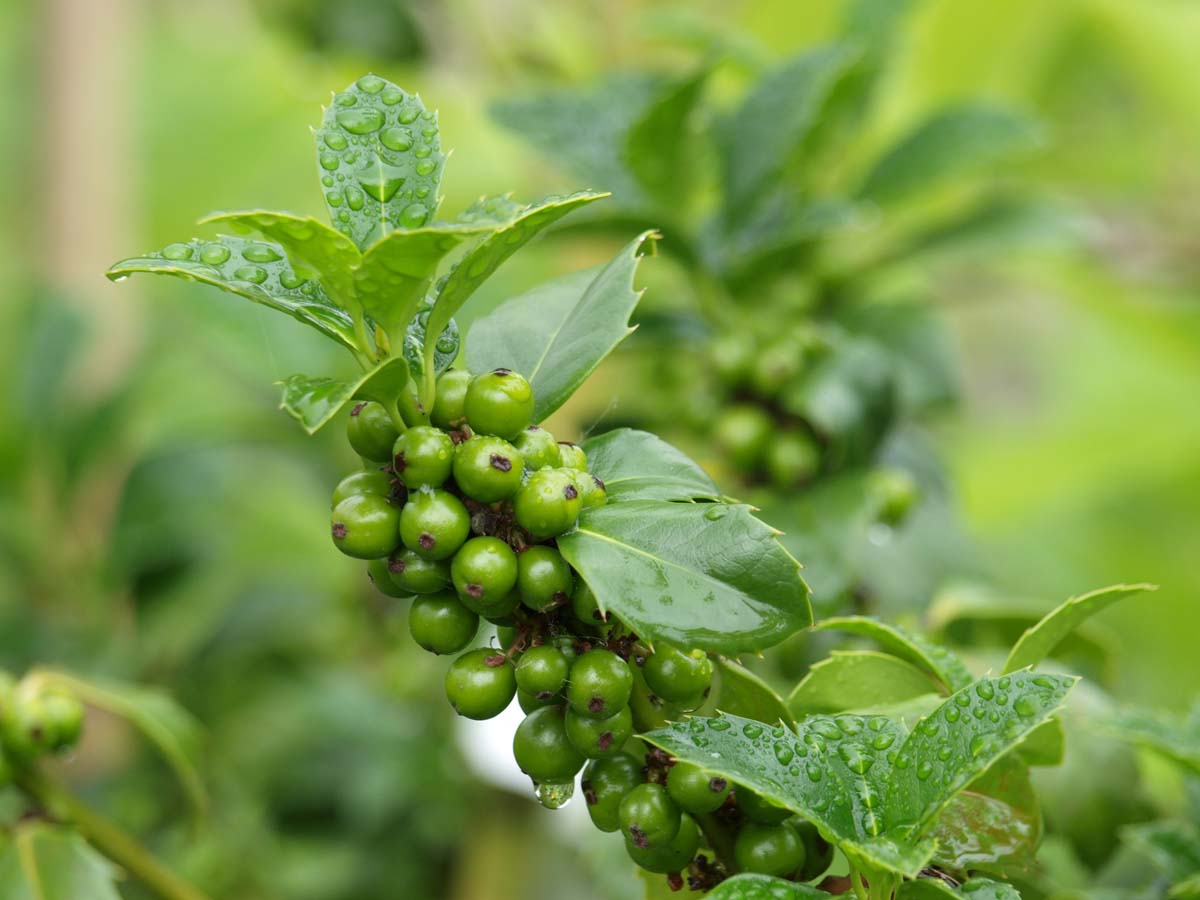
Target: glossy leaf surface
314	402
857	679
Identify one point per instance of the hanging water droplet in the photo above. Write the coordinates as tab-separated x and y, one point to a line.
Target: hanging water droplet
177	251
555	796
214	254
360	121
253	274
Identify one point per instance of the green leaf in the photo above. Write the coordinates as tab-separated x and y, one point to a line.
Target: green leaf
1039	641
445	350
765	133
657	147
172	730
975	889
557	334
869	26
309	244
1045	745
482	260
962	738
1172	846
313	402
742	693
256	270
398	269
380	160
1188	889
986	231
857	679
950	144
938	661
831	771
41	861
996	823
749	886
638	465
698	574
1174	737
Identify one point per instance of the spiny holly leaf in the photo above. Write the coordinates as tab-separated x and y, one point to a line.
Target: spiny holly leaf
938	661
832	771
638	465
482	260
749	886
313	402
41	861
445	350
706	575
1172	846
657	147
764	133
380	160
962	738
1174	737
256	270
993	825
857	679
398	269
1039	641
975	889
951	143
309	244
742	693
557	334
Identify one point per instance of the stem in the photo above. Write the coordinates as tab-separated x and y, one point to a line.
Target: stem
718	841
107	836
360	337
856	882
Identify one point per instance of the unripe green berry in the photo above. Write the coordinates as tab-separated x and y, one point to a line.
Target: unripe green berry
542	749
605	783
499	402
529	702
422	457
792	458
696	790
365	526
732	355
538	448
488	468
37	719
480	684
777	365
543	578
894	492
371	432
818	852
548	503
600	684
368	481
448	404
439	623
484	572
543	670
592	492
414	574
649	817
675	856
377	571
768	849
759	809
677	676
571	456
584	606
434	524
597	738
743	434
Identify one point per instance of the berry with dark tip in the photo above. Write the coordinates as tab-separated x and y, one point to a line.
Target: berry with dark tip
422	457
672	858
597	738
488	468
484	572
448	404
499	402
542	749
544	578
677	676
600	684
605	783
365	526
434	524
583	604
377	571
696	790
439	623
571	456
371	432
480	684
548	503
649	817
543	670
538	448
414	574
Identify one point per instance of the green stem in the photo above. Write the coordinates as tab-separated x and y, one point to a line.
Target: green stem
856	882
718	841
107	837
360	337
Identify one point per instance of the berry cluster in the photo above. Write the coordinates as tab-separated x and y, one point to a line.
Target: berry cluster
36	718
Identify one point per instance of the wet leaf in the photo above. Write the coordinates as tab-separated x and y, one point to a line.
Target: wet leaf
748	886
938	661
314	402
993	825
742	693
857	679
41	861
637	465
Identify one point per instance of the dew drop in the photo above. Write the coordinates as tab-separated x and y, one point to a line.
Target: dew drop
214	254
784	754
426	167
414	215
752	731
1043	681
815	773
719	724
355	198
963	700
253	274
397	138
985	690
291	280
177	251
371	84
555	796
408	115
952	714
360	121
260	253
391	96
883	741
329	161
335	140
1025	706
423	151
346	99
924	770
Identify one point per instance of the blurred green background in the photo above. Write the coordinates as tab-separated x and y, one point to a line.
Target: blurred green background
164	523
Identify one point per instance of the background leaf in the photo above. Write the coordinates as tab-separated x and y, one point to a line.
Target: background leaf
556	335
445	349
256	270
638	465
975	889
41	861
994	824
938	661
1174	737
380	160
1172	846
657	147
698	574
314	402
857	679
742	693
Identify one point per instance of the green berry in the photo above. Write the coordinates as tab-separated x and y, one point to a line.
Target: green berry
759	809
543	670
538	448
677	676
440	623
371	432
649	817
597	738
592	492
38	720
506	635
777	365
566	644
696	790
500	613
487	468
675	856
414	574
369	481
571	456
894	492
743	434
499	402
529	702
600	684
792	459
548	503
605	783
480	684
484	572
448	403
768	849
818	852
543	577
422	457
732	355
365	526
541	747
434	524
584	606
377	571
